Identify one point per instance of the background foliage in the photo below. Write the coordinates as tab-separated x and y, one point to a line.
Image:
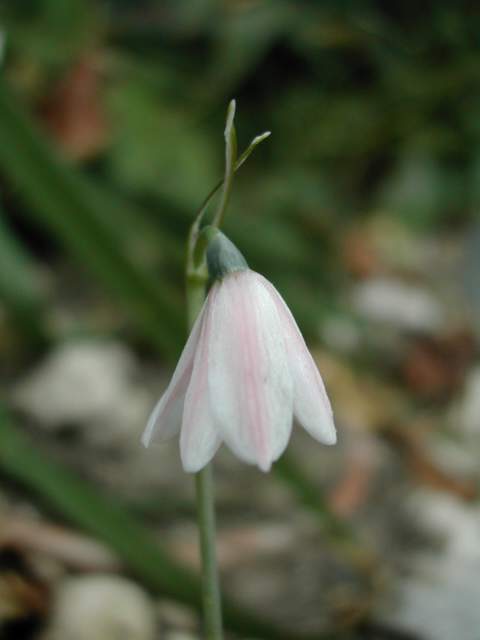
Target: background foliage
370	111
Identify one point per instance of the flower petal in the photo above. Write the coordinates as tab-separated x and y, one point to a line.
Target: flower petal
166	418
311	404
250	387
199	439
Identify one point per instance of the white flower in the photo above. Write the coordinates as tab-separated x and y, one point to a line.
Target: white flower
244	373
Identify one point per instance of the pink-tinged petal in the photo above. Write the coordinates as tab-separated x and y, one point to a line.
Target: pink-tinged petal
311	404
250	386
166	418
199	439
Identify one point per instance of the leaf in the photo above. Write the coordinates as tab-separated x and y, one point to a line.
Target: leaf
37	29
242	38
153	148
18	288
84	220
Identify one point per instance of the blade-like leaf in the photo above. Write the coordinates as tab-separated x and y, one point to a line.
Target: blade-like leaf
18	291
60	200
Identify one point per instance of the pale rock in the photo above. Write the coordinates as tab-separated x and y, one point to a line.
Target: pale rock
101	607
398	304
451	456
180	635
177	615
439	599
86	383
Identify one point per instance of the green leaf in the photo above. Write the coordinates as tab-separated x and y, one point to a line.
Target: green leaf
242	38
51	33
154	146
19	291
81	218
230	164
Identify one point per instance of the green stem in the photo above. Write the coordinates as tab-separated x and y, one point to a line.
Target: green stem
230	162
195	228
212	610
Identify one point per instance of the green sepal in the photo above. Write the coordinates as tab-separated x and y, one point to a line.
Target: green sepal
223	257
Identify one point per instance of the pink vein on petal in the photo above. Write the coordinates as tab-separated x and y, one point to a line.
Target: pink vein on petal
249	381
253	368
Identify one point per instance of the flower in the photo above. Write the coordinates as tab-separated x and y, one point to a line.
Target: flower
244	373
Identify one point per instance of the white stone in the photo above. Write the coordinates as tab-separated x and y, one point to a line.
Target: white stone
439	600
177	615
101	607
87	383
393	302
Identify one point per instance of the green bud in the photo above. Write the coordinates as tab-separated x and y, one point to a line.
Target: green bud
223	257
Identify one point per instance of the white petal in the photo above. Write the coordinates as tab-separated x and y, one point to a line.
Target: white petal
166	418
199	439
311	404
251	390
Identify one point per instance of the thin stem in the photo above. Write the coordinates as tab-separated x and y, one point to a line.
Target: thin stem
210	584
230	161
195	228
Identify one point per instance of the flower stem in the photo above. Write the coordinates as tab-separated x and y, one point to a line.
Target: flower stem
230	161
206	522
204	485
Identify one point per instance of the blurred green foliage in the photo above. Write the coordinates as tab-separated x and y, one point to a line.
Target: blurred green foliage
372	107
19	288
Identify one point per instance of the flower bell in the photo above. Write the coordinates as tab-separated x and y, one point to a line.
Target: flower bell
244	373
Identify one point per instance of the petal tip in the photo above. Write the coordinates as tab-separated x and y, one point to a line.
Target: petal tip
265	465
190	469
331	438
191	461
192	466
145	439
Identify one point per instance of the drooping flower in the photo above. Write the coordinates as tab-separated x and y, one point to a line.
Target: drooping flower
244	373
